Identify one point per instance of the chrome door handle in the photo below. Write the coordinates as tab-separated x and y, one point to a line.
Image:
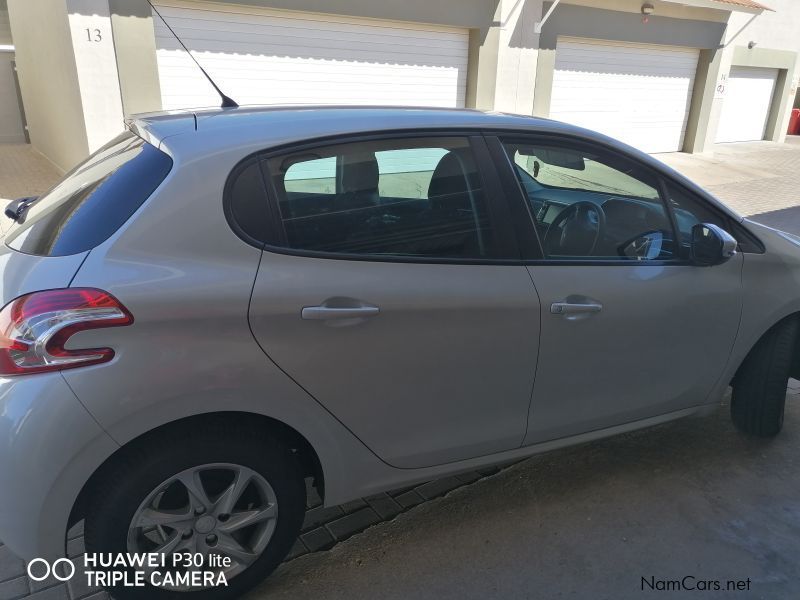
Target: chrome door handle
326	313
568	308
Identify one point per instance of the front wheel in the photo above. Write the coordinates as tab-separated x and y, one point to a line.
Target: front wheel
759	389
231	500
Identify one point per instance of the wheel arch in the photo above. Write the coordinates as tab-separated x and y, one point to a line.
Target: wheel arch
309	459
795	372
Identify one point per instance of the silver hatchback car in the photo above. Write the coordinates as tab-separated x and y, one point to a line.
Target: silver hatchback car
219	305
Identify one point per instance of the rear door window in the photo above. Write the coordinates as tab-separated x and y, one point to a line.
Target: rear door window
93	200
419	197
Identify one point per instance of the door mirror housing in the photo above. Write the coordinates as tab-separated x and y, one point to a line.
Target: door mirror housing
712	245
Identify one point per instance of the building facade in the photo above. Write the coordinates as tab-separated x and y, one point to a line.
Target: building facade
662	75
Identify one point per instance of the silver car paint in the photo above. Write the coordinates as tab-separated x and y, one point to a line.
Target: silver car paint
658	345
187	278
49	446
443	373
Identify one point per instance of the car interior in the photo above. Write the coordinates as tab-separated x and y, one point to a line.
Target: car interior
448	220
580	216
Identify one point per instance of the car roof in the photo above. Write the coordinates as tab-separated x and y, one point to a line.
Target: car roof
244	130
313	121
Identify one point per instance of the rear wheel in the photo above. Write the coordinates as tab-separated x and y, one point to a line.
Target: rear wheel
759	389
230	499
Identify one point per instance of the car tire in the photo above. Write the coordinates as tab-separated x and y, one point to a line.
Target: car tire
759	388
128	482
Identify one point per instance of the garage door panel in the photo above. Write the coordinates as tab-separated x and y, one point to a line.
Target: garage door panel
747	103
280	30
265	57
220	39
638	93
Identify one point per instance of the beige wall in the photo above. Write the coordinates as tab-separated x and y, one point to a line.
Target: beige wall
11	128
96	64
5	28
49	80
778	30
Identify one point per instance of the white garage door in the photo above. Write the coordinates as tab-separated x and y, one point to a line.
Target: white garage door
746	106
264	56
637	93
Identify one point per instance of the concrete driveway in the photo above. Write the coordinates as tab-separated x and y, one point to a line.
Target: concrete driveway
760	180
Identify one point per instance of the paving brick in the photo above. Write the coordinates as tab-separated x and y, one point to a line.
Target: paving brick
11	567
434	489
319	539
76	531
401	491
98	596
319	516
350	524
409	499
53	593
298	549
43	585
75	547
470	477
51	581
78	585
24	172
353	506
13	589
384	505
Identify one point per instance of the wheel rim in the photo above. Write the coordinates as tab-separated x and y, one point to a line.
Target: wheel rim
218	509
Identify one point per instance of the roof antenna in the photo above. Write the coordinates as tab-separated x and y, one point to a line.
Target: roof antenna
227	102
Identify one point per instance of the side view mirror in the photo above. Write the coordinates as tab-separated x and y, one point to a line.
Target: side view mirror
712	245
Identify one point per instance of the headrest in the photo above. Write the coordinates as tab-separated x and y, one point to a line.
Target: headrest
360	172
448	177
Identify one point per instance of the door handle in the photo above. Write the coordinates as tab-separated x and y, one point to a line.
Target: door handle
569	308
326	313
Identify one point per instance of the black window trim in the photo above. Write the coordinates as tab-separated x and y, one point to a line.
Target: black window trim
498	208
529	240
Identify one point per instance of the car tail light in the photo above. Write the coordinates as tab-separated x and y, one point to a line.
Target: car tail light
35	328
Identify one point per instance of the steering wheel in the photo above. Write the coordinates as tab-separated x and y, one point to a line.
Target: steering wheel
576	230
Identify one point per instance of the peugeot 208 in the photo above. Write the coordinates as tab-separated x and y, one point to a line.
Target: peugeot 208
219	305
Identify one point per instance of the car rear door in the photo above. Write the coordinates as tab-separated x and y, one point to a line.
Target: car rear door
394	293
630	328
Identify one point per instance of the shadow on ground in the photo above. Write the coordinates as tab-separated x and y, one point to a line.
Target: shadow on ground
691	498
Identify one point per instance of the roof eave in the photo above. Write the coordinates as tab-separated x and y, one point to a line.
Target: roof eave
717	5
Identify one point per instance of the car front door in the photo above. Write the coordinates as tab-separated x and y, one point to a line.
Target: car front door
630	328
394	293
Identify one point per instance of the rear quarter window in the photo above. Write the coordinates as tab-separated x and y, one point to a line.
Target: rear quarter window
93	200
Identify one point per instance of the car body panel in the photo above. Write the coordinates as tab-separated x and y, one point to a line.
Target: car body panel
24	273
600	369
49	445
444	372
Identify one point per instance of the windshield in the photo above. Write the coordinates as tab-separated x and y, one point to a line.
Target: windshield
93	200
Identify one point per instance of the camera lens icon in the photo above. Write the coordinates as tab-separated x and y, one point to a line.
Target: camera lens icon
39	569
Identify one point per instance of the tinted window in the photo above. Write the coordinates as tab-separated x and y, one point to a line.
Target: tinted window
689	211
248	200
412	198
592	205
93	200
